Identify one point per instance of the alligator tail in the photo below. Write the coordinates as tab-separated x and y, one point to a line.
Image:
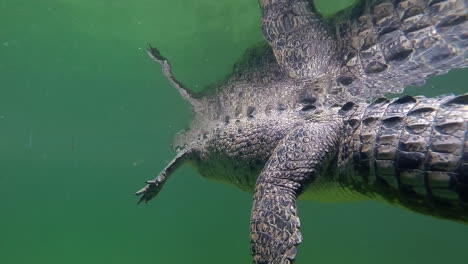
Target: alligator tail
414	151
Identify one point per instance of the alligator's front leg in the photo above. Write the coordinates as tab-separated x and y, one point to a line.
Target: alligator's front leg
297	161
153	187
166	68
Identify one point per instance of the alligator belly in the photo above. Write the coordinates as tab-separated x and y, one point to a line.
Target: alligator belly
241	173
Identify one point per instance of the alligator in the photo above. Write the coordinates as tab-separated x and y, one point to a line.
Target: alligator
304	117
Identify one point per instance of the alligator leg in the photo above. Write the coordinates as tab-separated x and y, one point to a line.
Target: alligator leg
302	44
153	187
393	44
390	45
167	71
296	161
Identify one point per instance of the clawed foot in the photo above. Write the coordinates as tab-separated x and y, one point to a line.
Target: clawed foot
166	69
151	189
155	54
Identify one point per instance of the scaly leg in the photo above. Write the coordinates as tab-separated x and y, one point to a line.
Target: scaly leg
297	161
167	71
153	187
302	44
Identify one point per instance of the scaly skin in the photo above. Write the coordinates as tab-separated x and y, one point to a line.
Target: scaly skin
291	121
392	42
411	151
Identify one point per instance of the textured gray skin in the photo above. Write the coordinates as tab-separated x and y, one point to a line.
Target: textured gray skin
291	121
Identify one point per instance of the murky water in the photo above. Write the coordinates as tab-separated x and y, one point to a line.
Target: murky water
86	117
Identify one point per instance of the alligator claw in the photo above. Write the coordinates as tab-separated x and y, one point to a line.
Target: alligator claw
154	186
142	190
151	182
148	192
155	54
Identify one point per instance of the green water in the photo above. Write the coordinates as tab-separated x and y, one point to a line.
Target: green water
86	117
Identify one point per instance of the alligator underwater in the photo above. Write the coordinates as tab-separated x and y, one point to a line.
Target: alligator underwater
304	117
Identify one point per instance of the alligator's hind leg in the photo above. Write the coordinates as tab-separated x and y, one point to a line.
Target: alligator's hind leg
153	187
302	44
167	71
297	161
